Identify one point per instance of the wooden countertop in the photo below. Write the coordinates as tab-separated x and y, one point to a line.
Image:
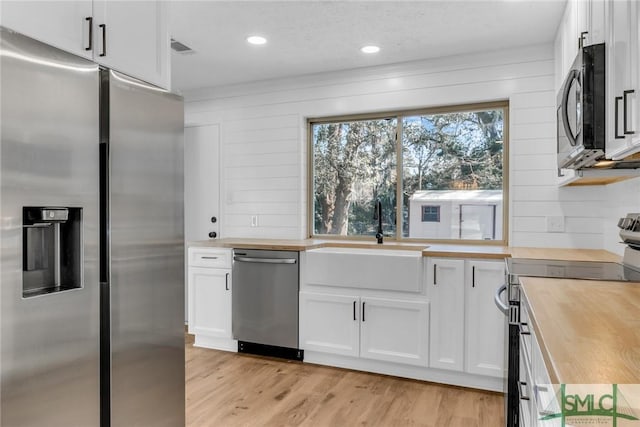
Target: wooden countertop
306	244
464	251
272	244
428	249
588	331
564	254
467	251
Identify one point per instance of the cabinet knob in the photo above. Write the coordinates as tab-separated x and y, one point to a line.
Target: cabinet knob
214	219
213	234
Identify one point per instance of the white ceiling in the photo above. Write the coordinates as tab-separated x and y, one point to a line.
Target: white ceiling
306	37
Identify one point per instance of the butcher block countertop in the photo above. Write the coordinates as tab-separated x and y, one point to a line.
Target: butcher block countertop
306	244
437	250
598	255
588	331
428	249
467	251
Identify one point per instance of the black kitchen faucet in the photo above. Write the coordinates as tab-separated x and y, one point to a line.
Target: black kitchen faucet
377	214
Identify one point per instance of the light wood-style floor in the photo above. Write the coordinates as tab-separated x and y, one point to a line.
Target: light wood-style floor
230	389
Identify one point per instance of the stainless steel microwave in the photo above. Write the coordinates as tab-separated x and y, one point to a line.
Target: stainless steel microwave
581	110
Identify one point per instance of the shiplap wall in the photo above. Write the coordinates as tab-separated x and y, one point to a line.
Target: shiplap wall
264	141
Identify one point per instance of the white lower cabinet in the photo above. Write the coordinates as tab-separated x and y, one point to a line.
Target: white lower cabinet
386	329
467	330
538	396
210	299
484	326
330	323
209	296
394	330
445	287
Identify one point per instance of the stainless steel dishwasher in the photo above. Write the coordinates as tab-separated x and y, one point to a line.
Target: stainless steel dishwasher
265	302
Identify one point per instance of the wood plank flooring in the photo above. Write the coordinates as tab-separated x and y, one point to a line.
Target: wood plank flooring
230	389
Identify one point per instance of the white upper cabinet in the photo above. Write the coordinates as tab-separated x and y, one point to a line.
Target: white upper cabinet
623	81
584	21
570	36
132	37
128	36
590	21
63	24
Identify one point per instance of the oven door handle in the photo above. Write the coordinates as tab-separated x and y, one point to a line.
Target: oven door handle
497	298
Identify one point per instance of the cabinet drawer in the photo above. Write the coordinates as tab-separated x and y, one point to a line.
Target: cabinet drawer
525	333
207	257
544	392
525	389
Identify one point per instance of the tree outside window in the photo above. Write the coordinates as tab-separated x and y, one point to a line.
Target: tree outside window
449	158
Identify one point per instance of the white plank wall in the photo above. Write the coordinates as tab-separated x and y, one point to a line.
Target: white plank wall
264	141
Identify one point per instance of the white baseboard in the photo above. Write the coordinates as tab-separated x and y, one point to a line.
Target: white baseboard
442	376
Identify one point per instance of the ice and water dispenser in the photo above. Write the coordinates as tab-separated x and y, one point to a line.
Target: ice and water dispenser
52	250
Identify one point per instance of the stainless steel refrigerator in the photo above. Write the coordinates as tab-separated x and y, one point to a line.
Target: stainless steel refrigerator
91	244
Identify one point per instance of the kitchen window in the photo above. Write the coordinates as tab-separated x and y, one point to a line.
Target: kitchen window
440	174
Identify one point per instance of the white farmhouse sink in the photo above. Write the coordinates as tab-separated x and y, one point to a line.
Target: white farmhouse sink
384	269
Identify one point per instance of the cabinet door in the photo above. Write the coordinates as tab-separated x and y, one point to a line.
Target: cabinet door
330	323
210	302
569	28
622	69
394	330
62	24
445	288
590	19
134	39
485	324
596	21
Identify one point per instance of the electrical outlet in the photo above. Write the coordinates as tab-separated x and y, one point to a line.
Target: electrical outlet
555	224
254	220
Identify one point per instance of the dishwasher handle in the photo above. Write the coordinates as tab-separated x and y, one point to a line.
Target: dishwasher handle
265	260
497	298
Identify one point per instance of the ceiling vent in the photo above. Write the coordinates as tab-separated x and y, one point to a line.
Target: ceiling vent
180	48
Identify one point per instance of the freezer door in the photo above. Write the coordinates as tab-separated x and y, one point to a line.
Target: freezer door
49	158
147	254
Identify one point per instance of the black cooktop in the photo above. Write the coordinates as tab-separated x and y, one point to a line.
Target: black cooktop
587	270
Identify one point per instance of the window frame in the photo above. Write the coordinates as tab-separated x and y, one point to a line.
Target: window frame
398	115
437	212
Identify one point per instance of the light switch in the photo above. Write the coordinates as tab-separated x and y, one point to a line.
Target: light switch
555	224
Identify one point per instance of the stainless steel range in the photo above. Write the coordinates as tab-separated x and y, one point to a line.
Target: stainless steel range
627	271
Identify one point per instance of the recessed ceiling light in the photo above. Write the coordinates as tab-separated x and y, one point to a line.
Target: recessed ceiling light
256	40
370	49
